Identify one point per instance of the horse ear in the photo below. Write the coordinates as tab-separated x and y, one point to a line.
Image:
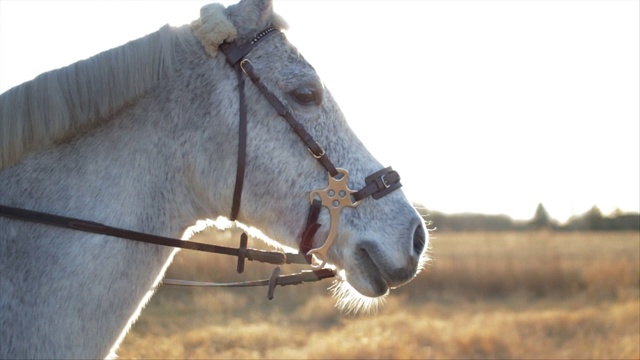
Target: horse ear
253	16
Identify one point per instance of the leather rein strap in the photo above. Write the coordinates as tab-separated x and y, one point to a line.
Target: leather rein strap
242	253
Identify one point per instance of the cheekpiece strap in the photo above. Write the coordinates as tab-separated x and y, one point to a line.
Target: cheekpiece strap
316	150
234	54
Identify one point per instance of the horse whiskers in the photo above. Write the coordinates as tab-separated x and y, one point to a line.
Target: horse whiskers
350	301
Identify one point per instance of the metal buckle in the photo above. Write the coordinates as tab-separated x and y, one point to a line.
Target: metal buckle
384	181
242	63
322	152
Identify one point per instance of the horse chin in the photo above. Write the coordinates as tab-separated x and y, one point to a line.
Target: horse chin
352	301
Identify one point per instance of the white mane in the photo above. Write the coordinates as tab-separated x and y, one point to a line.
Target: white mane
56	105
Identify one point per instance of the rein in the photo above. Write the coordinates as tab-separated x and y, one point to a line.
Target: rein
335	197
242	253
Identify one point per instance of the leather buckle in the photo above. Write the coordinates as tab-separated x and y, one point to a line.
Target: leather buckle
317	156
384	181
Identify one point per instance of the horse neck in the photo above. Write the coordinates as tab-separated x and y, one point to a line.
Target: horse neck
152	167
129	173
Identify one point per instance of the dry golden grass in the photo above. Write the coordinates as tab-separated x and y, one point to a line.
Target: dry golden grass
486	295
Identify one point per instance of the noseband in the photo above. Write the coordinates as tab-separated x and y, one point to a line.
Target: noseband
336	196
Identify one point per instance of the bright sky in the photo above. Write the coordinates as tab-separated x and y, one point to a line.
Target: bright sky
482	106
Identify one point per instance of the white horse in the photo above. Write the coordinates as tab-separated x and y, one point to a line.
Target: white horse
144	137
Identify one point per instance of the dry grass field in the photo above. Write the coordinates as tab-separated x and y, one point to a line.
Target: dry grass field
485	295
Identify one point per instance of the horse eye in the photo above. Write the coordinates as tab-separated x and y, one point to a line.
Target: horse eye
308	95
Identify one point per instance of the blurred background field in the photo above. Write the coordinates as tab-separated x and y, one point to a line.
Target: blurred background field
530	294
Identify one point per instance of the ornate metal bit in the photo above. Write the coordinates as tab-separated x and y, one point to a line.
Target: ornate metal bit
335	197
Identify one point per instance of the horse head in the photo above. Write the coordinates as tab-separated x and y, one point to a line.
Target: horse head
379	243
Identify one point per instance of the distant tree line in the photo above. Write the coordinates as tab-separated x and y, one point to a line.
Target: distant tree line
592	220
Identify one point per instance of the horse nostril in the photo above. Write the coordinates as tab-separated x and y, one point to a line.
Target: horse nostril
419	240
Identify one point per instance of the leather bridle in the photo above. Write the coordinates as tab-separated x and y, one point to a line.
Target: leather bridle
335	197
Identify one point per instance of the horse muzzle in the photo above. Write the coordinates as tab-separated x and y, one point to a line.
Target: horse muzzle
376	269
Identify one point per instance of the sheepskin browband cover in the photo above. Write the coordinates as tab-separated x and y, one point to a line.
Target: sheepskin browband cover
213	28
